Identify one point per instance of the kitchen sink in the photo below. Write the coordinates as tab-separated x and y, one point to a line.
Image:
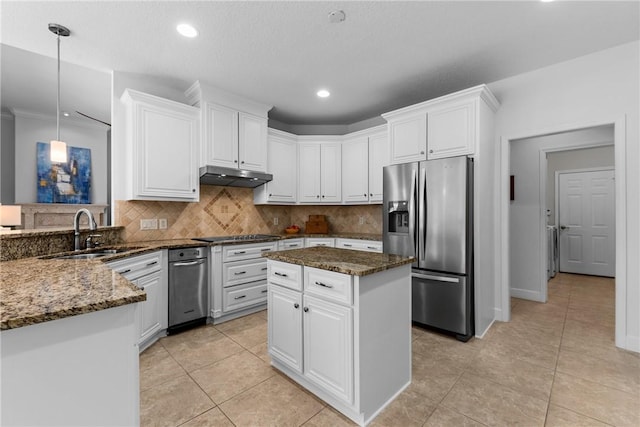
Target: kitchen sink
95	253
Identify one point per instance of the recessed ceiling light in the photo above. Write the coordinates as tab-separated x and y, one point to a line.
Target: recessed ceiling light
187	30
546	1
323	93
64	113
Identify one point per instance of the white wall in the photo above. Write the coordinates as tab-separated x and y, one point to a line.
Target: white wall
595	89
32	128
527	279
7	156
570	160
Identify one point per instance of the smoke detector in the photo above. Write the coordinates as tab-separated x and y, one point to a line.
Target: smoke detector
337	16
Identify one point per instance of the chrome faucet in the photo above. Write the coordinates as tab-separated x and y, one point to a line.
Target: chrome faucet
76	226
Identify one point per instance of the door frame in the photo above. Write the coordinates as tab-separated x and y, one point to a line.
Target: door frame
557	197
503	310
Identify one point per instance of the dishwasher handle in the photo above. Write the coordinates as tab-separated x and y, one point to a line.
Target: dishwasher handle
187	263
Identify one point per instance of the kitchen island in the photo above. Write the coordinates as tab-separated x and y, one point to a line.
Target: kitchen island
340	325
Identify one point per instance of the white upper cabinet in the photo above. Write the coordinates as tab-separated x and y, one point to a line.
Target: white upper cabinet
233	139
443	127
364	154
378	159
319	172
408	138
282	162
162	148
234	129
355	170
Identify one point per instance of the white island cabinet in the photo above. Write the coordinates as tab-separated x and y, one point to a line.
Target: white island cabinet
343	335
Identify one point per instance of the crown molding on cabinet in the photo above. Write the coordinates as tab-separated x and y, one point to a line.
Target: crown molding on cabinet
199	92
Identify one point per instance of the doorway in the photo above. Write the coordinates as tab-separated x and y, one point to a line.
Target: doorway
538	259
586	221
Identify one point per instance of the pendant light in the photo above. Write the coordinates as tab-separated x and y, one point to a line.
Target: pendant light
57	147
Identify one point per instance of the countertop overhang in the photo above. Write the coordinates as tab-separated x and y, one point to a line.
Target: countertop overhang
347	261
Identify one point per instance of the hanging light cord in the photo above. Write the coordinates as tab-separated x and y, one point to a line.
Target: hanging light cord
58	99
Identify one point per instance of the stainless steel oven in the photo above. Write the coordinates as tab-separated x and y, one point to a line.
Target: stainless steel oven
188	287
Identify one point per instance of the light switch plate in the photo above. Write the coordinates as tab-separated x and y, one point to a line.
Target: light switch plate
162	223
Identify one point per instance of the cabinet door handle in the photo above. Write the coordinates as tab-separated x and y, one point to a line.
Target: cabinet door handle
237	273
296	305
265	249
347	245
317	196
422	152
152	263
370	194
431	151
239	252
279	274
323	196
235	161
324	285
306	309
125	271
242	162
264	269
371	247
365	194
264	291
240	297
186	264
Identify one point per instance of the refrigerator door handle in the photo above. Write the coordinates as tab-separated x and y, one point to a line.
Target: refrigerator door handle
422	220
436	278
413	210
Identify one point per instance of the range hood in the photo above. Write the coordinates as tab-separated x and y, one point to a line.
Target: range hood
229	177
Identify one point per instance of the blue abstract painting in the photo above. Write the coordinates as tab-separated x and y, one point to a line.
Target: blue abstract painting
68	182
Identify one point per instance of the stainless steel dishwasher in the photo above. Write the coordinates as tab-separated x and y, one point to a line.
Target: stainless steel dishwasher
188	287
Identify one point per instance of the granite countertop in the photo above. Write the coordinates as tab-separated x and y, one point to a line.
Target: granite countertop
355	263
40	289
37	290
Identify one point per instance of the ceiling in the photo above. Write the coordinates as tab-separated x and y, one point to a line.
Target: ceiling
385	55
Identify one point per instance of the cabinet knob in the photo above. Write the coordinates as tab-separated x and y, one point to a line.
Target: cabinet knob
306	309
422	152
193	190
370	194
365	194
270	194
431	151
323	196
317	196
242	162
296	305
235	161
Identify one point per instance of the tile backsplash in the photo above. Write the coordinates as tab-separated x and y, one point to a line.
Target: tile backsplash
230	210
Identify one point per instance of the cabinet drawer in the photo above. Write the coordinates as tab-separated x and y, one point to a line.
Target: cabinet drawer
241	296
360	245
328	285
291	244
235	273
138	266
284	274
320	241
252	250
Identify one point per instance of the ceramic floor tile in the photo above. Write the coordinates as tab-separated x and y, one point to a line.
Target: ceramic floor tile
172	403
537	349
157	366
589	332
595	315
561	417
445	417
594	400
622	377
224	379
514	373
329	417
199	347
408	409
274	402
493	404
262	351
248	337
211	418
433	377
601	350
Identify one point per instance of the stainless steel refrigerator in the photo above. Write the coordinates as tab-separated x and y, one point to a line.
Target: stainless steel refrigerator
428	213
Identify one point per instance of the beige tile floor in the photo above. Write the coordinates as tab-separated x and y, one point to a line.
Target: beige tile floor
554	364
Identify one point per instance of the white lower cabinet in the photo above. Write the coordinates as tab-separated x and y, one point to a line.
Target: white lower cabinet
285	326
328	346
310	242
359	245
148	272
287	244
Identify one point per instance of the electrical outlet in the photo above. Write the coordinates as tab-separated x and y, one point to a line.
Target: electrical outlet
148	224
275	220
162	223
361	220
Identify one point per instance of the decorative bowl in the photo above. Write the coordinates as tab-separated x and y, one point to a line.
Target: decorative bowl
291	230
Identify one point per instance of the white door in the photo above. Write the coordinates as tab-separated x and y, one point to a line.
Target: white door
586	222
355	170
